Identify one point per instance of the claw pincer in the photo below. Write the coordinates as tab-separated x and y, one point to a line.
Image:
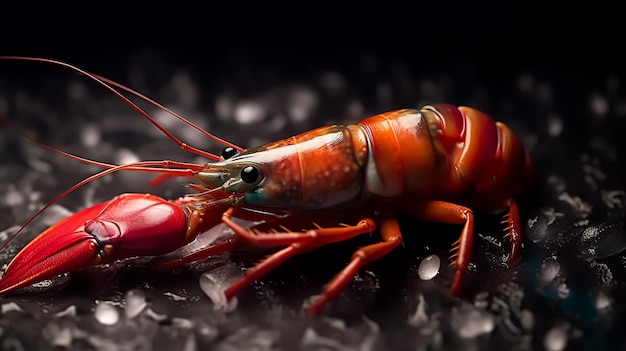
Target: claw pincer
128	225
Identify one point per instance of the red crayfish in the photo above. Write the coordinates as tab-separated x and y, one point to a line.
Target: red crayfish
436	163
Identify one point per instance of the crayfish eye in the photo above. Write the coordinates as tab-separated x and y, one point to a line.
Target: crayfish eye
229	152
250	174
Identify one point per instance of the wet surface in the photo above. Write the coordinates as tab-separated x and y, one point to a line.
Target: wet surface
565	295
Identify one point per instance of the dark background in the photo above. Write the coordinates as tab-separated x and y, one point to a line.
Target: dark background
477	55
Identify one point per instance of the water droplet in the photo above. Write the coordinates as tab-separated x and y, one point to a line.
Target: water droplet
549	269
429	267
215	281
106	314
135	303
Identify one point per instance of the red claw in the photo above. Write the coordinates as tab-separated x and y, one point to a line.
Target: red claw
99	234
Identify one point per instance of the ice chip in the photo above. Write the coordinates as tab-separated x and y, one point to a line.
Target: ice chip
250	338
216	281
70	311
419	317
11	306
135	303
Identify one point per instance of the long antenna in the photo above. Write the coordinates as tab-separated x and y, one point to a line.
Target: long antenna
168	169
143	113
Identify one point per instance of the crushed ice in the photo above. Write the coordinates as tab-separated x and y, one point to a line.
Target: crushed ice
135	303
11	306
250	338
333	334
419	317
470	322
59	333
70	311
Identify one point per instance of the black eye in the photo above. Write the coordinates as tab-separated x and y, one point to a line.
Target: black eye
250	174
229	152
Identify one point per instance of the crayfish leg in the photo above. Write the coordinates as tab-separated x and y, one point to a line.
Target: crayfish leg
317	237
230	244
513	231
449	213
392	238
